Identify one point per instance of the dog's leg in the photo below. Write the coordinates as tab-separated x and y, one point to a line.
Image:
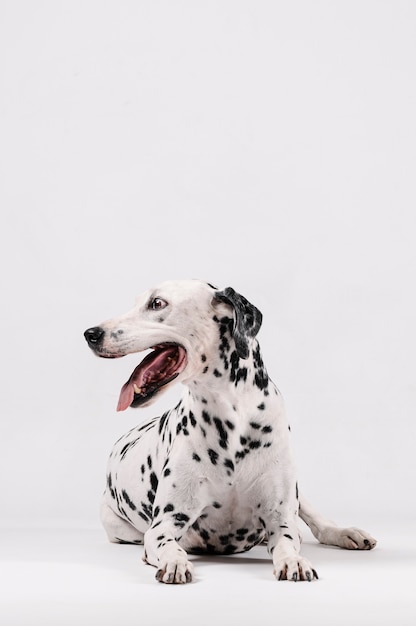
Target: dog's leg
117	529
328	533
164	552
284	546
284	539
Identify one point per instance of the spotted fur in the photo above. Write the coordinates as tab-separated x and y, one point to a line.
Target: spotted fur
215	474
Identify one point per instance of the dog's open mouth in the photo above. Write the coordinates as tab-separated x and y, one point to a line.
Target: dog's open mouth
157	369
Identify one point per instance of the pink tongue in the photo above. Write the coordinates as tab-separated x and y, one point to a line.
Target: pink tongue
126	396
127	390
142	375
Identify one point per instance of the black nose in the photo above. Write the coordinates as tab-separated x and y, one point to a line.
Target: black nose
94	336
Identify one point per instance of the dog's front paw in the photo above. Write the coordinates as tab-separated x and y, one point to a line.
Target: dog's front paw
178	571
294	568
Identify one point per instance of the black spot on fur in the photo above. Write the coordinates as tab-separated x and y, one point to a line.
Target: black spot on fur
196	457
230	549
110	486
223	440
237	373
168	508
213	456
224	539
147	510
127	447
162	421
224	347
128	501
261	378
261	381
228	463
153	481
235	361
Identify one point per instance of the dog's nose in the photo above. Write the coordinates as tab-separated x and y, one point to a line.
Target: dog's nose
94	336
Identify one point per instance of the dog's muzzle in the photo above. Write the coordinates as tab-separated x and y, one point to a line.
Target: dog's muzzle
159	368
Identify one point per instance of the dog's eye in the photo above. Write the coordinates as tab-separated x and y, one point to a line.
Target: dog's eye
157	304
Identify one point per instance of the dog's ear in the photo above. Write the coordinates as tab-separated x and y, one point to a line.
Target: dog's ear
247	319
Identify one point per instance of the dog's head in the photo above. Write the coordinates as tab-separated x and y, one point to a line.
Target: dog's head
178	322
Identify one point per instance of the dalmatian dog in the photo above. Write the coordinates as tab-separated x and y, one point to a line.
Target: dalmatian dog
215	474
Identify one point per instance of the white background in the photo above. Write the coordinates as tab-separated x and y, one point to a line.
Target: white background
270	146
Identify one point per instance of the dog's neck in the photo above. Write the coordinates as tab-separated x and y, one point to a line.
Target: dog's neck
233	384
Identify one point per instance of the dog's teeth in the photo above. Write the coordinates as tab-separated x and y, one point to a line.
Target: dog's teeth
137	389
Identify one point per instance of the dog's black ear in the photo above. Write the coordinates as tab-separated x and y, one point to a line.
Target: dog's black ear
247	319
